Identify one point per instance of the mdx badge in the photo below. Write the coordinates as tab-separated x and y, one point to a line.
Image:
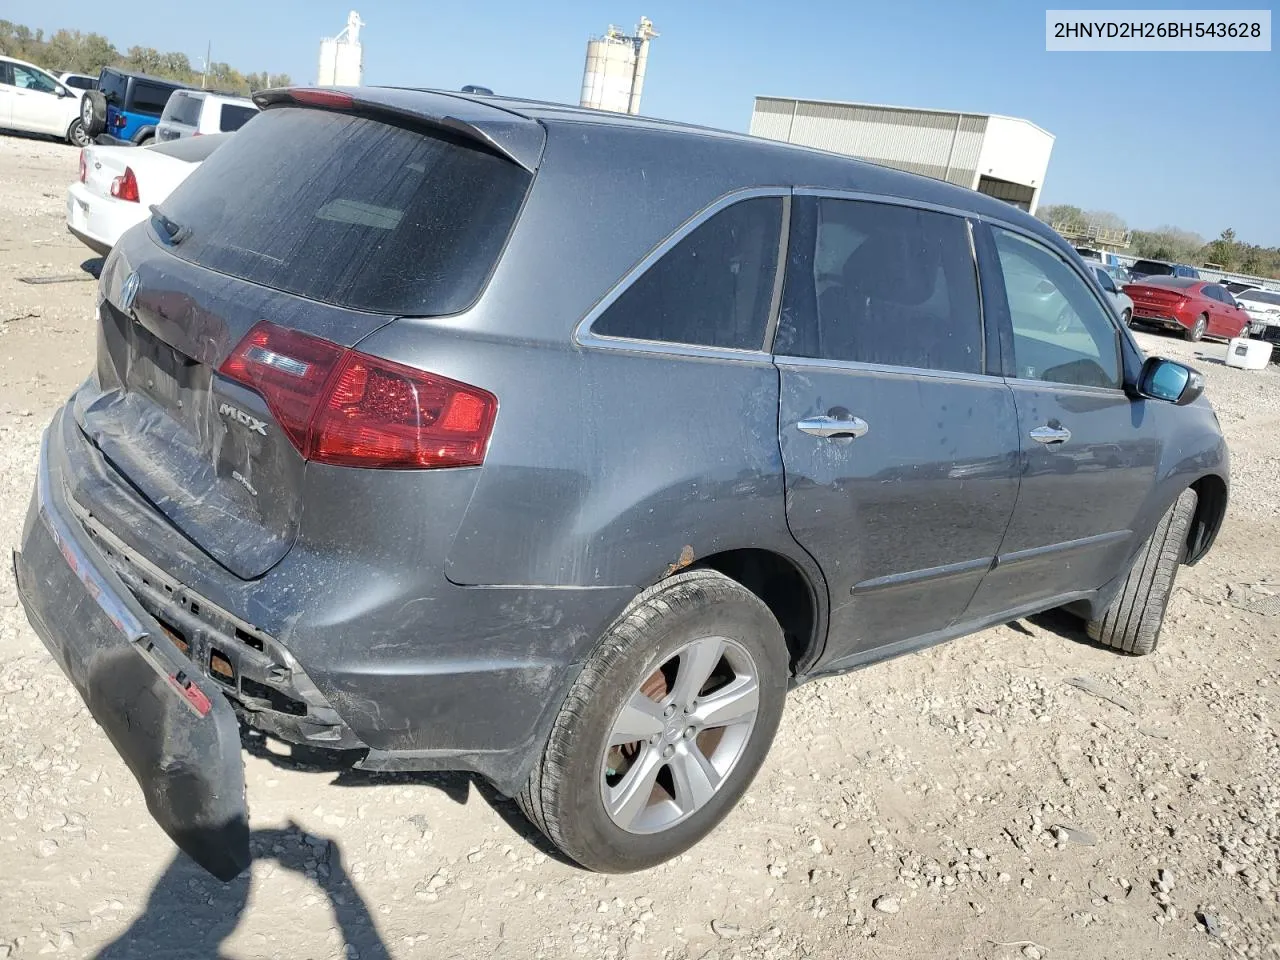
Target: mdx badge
240	417
128	292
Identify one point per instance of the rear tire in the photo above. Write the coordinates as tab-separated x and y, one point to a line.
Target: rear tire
93	112
576	793
1195	333
1132	621
76	135
146	141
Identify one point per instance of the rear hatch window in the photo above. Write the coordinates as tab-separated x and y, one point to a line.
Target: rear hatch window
1153	268
350	211
183	108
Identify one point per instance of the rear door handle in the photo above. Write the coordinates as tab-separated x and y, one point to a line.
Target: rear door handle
833	427
1050	434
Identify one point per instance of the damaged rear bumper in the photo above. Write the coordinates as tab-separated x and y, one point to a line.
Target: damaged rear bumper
170	724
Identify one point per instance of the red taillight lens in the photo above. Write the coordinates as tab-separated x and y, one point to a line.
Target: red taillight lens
120	120
84	168
125	186
340	406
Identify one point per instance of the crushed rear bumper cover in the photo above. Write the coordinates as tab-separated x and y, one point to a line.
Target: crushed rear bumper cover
170	724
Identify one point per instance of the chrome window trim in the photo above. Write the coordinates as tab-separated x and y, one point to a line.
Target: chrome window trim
584	336
837	193
857	366
1054	387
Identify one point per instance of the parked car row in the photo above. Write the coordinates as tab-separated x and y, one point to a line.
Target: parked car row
118	185
116	108
152	148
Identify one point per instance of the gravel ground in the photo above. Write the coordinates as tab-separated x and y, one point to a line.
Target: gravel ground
963	802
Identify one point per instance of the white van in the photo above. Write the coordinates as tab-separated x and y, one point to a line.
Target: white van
193	113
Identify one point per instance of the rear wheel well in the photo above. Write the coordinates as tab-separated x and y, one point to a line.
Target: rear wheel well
785	590
1211	507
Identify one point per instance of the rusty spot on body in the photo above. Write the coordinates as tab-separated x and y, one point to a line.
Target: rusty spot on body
685	558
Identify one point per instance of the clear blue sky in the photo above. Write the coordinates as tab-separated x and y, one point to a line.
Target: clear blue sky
1189	139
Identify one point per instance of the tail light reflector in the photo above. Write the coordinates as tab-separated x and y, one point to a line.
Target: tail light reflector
84	167
343	407
125	186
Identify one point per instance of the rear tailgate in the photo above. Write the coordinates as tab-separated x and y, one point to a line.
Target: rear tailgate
321	223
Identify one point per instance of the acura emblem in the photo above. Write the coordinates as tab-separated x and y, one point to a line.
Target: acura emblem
128	292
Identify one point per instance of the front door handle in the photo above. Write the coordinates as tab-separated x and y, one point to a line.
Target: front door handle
1052	434
833	427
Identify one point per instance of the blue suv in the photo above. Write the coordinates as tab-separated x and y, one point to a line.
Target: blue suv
126	107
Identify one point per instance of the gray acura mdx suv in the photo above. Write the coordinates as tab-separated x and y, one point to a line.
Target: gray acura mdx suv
475	434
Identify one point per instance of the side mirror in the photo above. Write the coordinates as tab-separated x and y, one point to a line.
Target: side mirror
63	93
1169	381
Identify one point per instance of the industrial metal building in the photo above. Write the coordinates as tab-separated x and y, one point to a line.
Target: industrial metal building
1001	156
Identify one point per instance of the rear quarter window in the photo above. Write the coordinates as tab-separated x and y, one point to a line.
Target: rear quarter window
234	117
350	211
149	97
713	288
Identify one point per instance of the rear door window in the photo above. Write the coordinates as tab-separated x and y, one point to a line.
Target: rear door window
884	284
234	117
350	211
713	288
1061	332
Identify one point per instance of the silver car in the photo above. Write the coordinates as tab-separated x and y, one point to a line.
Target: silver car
1111	285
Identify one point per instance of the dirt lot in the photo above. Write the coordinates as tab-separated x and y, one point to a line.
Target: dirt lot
965	802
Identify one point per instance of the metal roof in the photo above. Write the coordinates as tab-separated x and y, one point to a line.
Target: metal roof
885	106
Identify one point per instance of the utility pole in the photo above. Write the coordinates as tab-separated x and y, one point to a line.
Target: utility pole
208	52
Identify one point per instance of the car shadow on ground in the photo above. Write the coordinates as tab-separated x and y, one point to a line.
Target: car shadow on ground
1065	625
189	914
457	786
93	266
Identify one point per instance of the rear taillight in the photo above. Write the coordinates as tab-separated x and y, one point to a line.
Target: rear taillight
340	406
119	120
84	168
125	186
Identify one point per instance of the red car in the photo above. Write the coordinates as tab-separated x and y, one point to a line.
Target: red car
1196	308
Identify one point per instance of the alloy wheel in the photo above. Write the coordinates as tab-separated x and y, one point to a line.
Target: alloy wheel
677	738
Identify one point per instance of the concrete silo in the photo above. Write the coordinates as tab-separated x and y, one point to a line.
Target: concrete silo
613	78
341	57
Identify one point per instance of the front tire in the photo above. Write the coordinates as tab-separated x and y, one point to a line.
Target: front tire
665	728
1132	621
1195	333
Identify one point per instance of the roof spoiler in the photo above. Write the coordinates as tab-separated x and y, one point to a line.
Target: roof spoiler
506	134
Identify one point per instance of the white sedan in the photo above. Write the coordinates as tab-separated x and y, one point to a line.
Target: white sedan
1263	308
118	185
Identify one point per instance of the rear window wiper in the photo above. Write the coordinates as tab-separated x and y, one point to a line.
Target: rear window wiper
173	231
